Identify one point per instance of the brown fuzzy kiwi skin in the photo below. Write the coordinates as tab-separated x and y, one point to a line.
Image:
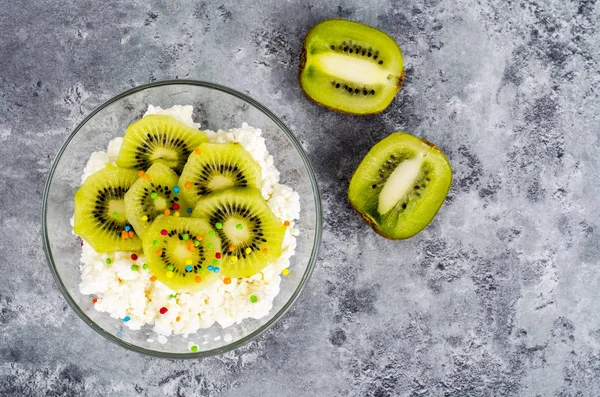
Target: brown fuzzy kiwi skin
370	220
302	64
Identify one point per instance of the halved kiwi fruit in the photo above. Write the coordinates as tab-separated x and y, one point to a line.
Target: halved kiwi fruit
182	252
400	185
251	235
350	67
218	166
158	139
152	195
100	217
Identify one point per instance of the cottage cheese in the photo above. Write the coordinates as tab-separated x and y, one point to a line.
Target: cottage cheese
127	294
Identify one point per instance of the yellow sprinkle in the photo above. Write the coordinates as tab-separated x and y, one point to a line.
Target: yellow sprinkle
188	261
248	250
145	218
234	259
170	274
176	213
285	272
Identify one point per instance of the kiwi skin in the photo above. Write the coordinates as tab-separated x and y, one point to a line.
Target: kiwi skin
302	64
373	224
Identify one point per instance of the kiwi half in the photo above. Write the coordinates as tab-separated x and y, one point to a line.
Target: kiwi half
158	139
251	235
182	252
100	217
350	67
400	185
152	195
218	166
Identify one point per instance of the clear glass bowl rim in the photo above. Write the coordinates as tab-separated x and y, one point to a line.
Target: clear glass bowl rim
305	277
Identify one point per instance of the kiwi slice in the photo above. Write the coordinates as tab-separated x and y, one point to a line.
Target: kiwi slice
400	185
251	235
158	139
182	252
350	67
218	166
100	217
151	195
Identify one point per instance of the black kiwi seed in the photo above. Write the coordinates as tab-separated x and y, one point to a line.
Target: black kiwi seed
403	206
381	62
337	85
363	52
350	51
369	54
375	57
356	90
364	91
345	87
373	186
333	47
372	92
345	49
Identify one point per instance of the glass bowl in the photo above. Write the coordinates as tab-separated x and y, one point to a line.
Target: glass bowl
215	107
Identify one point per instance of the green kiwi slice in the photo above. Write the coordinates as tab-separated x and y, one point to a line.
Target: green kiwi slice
350	67
100	217
400	185
182	252
151	195
158	139
251	235
218	166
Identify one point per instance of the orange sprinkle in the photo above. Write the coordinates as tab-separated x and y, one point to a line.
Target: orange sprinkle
147	176
94	300
140	173
231	248
265	250
226	280
159	252
167	212
187	185
190	246
197	150
130	233
124	234
178	318
153	279
286	223
199	237
198	279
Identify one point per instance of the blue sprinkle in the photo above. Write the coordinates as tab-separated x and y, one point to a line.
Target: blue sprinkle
127	228
127	318
176	189
216	269
188	268
210	267
189	210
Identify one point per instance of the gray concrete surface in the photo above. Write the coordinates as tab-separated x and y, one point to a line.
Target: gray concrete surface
499	296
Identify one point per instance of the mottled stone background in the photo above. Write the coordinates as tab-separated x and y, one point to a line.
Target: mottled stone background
499	296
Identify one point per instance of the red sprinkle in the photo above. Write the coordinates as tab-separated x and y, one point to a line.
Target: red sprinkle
164	232
94	300
218	255
81	243
163	310
134	257
176	206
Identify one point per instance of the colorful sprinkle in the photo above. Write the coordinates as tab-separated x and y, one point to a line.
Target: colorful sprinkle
163	310
145	266
188	261
285	272
234	259
177	318
155	242
124	234
145	218
176	206
94	300
170	274
164	232
265	250
198	279
210	268
176	214
188	268
194	348
218	255
153	279
170	267
215	262
248	250
197	150
116	215
239	226
126	318
135	268
216	269
130	233
253	299
134	257
127	228
159	252
231	248
211	233
219	225
172	296
189	210
186	236
196	243
226	280
187	185
147	176
176	189
190	245
140	173
209	245
154	195
286	223
199	237
108	261
167	212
